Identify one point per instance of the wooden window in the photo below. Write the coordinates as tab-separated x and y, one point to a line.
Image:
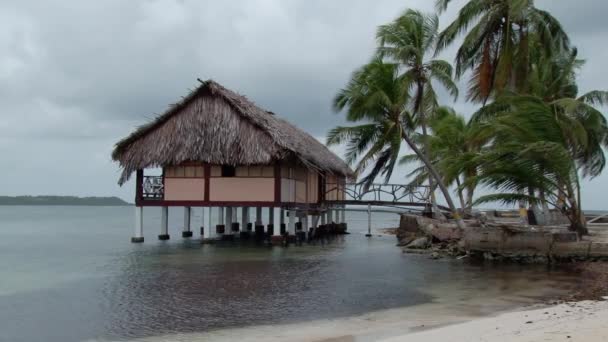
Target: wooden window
284	172
268	171
169	171
199	171
301	174
216	171
242	171
190	171
255	171
228	171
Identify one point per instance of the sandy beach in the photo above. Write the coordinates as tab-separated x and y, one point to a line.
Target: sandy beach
579	321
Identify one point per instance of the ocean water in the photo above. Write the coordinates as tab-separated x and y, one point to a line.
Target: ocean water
71	274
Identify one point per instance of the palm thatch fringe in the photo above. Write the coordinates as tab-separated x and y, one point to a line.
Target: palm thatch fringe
218	126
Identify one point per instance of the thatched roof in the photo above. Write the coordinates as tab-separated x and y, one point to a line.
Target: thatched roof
218	126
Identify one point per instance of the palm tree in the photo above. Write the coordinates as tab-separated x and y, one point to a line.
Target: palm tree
500	37
378	95
454	147
543	147
408	41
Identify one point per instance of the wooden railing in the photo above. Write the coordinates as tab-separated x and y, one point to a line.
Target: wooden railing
387	193
153	188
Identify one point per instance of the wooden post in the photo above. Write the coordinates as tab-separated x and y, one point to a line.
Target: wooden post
164	224
139	186
203	222
270	227
186	233
139	225
228	222
292	222
369	221
212	234
258	216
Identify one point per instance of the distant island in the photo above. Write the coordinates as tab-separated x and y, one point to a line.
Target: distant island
62	200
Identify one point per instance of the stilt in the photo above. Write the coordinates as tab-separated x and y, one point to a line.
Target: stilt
270	226
244	222
258	216
343	224
292	224
278	235
202	222
212	232
228	225
164	224
259	226
220	229
186	233
369	221
282	226
139	225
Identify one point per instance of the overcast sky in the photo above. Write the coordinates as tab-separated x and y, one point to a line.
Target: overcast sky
76	76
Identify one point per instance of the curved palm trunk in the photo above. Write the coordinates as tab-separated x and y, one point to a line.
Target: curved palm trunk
427	147
433	173
460	195
427	152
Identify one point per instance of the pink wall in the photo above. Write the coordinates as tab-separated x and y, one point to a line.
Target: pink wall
236	189
184	189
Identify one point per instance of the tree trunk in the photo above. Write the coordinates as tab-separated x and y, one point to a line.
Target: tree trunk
462	202
433	173
427	147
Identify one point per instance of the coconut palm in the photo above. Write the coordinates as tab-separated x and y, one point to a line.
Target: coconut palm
500	36
409	41
543	148
454	147
378	96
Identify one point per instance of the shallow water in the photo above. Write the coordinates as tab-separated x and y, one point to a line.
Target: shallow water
71	274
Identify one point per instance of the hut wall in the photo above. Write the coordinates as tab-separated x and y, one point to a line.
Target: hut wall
185	182
312	190
184	189
241	189
335	188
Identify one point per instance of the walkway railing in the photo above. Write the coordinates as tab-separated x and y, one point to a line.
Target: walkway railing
357	193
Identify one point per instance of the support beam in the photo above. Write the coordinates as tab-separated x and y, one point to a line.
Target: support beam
244	222
220	228
258	216
292	222
203	222
187	232
164	224
282	226
271	216
210	227
139	225
228	222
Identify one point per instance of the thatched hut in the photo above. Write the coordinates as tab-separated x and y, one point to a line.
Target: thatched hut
216	148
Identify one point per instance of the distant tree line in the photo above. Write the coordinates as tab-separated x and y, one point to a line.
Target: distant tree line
62	200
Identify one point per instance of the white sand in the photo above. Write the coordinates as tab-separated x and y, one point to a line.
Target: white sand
583	321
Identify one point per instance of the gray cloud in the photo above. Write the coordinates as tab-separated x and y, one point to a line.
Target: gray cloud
77	76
